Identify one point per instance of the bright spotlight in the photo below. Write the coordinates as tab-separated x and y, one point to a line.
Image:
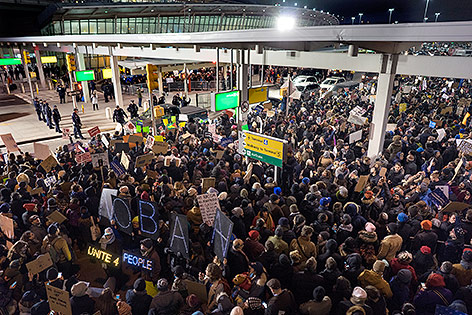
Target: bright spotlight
285	23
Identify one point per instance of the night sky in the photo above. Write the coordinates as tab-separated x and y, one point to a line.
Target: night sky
376	11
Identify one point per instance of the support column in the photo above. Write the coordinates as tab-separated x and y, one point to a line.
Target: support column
217	69
85	87
160	82
27	73
116	80
383	101
185	80
231	72
39	64
243	85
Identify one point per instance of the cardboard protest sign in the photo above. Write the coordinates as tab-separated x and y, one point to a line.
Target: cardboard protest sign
208	182
59	300
106	203
83	158
133	140
219	154
222	231
355	136
361	183
124	160
42	262
160	147
438	123
9	142
179	242
48	163
149	218
383	171
93	131
208	204
6	225
41	151
455	206
447	110
56	216
144	160
100	159
122	214
152	174
197	288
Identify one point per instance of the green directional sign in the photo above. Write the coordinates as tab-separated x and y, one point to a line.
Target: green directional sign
86	75
10	61
263	148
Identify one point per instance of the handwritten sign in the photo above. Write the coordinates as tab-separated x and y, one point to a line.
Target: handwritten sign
207	183
41	263
361	183
59	300
83	157
160	147
41	151
100	159
48	163
208	203
149	142
144	160
6	225
355	136
56	216
9	142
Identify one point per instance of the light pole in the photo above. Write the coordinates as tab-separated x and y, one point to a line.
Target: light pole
390	11
425	11
353	19
437	15
360	17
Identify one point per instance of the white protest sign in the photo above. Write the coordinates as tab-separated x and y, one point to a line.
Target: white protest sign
356	119
391	127
149	142
106	203
41	151
441	134
208	203
97	157
50	181
355	136
59	300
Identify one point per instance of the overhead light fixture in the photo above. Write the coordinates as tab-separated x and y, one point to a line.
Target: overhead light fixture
285	23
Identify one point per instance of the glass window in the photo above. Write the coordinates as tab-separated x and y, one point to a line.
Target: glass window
132	25
67	28
93	26
124	25
196	23
57	27
84	26
101	27
163	23
75	28
110	26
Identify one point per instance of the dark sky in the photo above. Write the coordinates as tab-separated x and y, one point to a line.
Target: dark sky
376	11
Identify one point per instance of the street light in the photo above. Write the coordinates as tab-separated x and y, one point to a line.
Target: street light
425	11
437	15
360	17
390	15
353	19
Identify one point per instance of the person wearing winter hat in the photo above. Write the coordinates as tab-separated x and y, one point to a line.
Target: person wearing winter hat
325	201
391	244
304	245
149	252
435	293
62	257
80	301
400	286
280	246
402	261
27	301
358	298
252	247
374	277
166	301
449	279
137	297
463	270
425	237
320	305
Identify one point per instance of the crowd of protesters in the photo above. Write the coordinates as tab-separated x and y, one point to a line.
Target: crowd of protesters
310	243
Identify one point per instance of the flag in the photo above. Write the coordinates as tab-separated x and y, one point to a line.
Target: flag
438	198
117	168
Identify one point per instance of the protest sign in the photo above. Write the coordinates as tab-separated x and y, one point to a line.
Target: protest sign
133	140
447	110
117	168
167	161
137	261
383	171
355	136
361	183
9	142
179	241
197	288
402	107
41	151
223	228
66	133
122	214
432	124
83	158
149	142
149	218
465	146
59	300
225	141
106	203
100	159
104	256
56	216
105	141
152	174
356	119
6	225
121	147
48	163
93	131
50	181
208	182
391	127
42	262
219	154
444	189
144	160
160	147
455	206
441	134
208	204
124	160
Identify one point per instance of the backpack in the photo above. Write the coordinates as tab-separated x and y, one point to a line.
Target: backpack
226	287
55	255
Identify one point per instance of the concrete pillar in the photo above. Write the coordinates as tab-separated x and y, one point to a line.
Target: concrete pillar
85	87
25	66
243	75
116	80
383	101
160	82
231	71
39	64
217	69
185	80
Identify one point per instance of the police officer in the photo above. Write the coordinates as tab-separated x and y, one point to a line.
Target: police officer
62	94
44	110
133	109
77	124
56	117
119	115
48	116
37	108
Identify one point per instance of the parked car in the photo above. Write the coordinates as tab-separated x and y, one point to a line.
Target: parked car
302	81
329	83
